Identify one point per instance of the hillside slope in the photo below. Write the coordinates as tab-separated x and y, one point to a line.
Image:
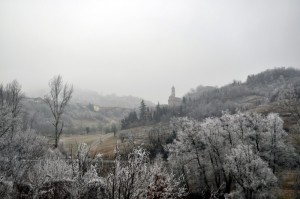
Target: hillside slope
259	89
77	118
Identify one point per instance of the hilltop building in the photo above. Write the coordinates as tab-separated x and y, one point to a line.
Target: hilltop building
174	101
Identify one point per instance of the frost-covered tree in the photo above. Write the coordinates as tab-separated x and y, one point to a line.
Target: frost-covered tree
188	147
200	149
57	177
276	142
10	108
19	149
17	158
253	177
137	178
289	101
51	176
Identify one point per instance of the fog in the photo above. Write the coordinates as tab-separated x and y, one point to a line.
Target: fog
143	48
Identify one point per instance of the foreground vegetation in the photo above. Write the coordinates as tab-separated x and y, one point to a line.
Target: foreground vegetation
240	154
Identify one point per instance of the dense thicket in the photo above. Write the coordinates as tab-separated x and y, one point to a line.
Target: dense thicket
236	156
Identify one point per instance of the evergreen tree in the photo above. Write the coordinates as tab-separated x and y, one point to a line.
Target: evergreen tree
143	109
158	112
148	115
184	100
130	119
124	123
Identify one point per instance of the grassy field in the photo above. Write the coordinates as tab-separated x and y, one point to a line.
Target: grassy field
98	143
103	143
288	179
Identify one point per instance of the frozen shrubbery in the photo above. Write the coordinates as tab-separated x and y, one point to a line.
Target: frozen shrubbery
137	178
233	154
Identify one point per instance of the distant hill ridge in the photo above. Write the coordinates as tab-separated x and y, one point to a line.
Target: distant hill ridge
77	116
85	97
259	89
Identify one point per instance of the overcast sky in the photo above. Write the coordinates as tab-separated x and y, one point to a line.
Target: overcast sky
143	47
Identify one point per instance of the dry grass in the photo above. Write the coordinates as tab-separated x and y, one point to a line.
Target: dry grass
288	179
105	146
99	143
102	143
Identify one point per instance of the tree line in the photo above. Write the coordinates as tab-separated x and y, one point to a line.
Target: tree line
147	115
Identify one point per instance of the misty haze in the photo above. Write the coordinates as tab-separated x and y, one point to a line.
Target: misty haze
154	99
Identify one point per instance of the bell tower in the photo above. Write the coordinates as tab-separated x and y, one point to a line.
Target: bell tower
173	91
174	101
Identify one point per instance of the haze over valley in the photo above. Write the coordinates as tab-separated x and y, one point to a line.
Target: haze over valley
154	99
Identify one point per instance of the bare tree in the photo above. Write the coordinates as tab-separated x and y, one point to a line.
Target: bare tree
60	95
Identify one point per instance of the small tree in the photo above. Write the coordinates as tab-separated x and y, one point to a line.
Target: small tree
143	110
60	95
114	129
87	130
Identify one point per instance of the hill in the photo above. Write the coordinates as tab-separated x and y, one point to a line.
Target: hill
84	96
77	118
257	90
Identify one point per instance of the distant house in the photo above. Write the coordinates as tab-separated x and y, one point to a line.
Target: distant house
38	100
174	101
94	107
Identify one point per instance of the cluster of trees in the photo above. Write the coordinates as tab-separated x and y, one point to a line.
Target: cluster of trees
130	120
137	178
256	90
233	156
207	102
32	166
146	116
273	77
157	138
50	175
19	145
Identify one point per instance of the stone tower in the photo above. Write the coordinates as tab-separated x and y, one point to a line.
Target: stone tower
173	92
173	100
